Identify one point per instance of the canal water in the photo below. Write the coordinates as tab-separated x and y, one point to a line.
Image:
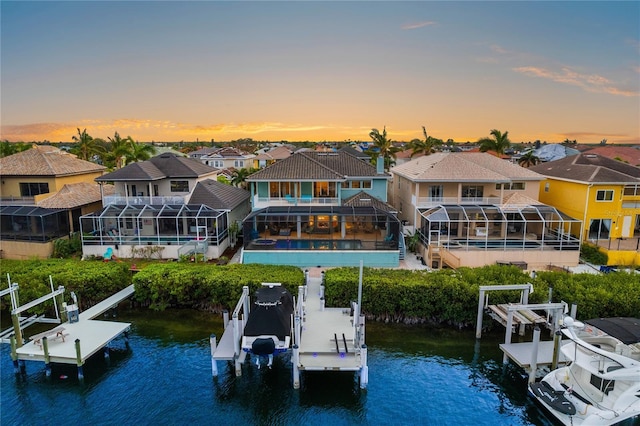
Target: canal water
417	376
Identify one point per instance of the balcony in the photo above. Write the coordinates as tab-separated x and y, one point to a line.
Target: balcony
17	201
426	202
142	200
262	202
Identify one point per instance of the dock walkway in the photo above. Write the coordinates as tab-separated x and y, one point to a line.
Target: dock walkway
319	349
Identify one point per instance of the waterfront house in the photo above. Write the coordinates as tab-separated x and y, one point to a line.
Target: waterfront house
321	208
266	158
151	214
45	190
602	192
474	209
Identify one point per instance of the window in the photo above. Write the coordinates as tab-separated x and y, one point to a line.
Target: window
546	187
219	164
513	186
179	186
31	189
472	191
366	184
604	195
356	184
238	164
435	192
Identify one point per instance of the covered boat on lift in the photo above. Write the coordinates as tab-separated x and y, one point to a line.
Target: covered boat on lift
269	326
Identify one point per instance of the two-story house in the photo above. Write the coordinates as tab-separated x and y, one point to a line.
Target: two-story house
227	157
602	192
474	209
152	207
321	208
44	192
266	158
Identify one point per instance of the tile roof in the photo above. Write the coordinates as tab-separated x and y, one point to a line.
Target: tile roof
627	154
589	168
218	195
167	165
315	166
227	151
277	153
45	160
463	167
362	199
75	195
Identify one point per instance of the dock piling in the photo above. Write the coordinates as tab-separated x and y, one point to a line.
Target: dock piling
225	318
534	355
296	371
364	371
79	361
212	341
14	355
47	358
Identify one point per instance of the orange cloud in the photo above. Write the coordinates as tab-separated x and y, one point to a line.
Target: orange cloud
589	82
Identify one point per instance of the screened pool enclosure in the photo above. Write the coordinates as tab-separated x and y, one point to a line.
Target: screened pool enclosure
33	224
178	229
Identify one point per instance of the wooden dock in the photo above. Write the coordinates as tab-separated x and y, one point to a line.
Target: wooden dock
521	354
92	335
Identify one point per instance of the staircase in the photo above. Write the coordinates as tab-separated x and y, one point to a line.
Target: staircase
193	247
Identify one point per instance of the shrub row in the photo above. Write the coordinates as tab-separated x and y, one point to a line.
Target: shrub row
445	297
451	297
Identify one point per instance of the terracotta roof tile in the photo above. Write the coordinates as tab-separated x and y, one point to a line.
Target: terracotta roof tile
75	195
44	160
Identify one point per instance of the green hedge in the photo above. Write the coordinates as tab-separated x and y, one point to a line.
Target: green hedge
447	297
208	287
451	297
90	281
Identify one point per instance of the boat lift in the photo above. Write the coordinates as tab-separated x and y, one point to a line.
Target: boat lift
19	323
323	339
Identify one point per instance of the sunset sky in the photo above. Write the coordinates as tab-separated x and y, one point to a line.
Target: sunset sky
296	71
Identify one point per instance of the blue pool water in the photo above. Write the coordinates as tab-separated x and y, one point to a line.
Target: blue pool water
319	244
417	376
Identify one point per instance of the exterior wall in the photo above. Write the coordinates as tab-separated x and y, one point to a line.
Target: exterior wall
572	198
24	250
310	258
11	184
535	259
402	196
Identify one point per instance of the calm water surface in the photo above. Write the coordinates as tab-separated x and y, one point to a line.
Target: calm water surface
417	376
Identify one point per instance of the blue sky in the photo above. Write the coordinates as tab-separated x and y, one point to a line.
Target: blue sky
170	71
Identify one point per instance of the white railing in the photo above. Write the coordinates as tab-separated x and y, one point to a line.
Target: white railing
142	200
261	202
423	202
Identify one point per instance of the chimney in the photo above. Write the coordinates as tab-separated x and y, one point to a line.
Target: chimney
380	165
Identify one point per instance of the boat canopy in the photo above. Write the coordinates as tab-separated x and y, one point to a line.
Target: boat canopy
627	330
271	315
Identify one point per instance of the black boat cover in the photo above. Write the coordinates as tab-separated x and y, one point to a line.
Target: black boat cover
627	330
271	313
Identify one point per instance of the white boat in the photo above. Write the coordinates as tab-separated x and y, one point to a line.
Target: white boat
601	383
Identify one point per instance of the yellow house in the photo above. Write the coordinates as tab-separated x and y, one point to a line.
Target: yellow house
604	194
43	193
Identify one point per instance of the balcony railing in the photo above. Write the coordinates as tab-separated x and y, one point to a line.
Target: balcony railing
262	202
142	200
425	202
17	201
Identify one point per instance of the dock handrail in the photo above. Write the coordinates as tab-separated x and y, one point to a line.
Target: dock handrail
243	303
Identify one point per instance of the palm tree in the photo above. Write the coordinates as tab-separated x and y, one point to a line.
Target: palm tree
86	146
139	152
528	159
239	177
385	147
426	146
119	149
498	144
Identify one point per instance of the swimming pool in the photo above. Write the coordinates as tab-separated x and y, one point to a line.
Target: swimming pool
318	244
